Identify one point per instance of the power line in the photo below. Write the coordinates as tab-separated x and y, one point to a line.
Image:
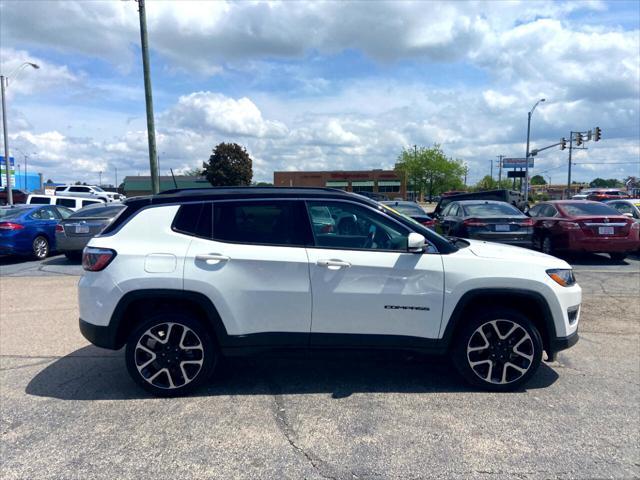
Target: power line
606	163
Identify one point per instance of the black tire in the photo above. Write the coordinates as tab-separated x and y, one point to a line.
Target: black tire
617	256
546	245
164	368
505	364
73	256
40	247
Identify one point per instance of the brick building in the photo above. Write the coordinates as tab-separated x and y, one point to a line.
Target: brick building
385	182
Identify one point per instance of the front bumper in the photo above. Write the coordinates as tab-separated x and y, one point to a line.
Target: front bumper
561	343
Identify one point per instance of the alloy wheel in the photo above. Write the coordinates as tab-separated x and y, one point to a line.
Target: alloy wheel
500	352
169	355
40	247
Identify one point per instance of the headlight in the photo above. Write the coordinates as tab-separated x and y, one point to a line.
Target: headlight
562	277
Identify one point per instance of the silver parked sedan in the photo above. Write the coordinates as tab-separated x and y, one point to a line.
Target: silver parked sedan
73	233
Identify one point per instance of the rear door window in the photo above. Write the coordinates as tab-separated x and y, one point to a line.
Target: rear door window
260	222
39	201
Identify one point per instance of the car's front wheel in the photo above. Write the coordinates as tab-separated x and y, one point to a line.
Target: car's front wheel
170	354
40	247
498	351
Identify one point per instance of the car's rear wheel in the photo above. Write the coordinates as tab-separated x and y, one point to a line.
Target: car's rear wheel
40	247
546	245
170	354
617	256
498	351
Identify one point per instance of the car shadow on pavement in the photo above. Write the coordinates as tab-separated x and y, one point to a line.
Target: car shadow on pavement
91	373
60	260
586	259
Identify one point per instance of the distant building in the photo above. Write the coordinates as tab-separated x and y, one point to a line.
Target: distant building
134	186
386	182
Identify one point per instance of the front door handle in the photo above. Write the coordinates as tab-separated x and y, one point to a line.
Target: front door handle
333	264
212	258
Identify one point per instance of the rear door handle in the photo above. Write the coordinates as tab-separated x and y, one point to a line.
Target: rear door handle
333	264
212	258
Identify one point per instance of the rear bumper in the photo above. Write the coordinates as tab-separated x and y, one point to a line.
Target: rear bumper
604	245
519	241
71	244
100	336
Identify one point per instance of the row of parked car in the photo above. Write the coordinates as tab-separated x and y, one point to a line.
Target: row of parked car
554	227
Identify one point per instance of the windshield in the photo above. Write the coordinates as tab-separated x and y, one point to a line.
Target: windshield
98	189
492	210
98	211
9	213
579	209
407	209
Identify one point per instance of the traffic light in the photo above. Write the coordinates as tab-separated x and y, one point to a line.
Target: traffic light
597	134
578	139
563	143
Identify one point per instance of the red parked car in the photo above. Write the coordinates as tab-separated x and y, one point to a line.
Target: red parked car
583	226
19	196
606	194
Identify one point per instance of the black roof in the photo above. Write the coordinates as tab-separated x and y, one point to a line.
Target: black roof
184	195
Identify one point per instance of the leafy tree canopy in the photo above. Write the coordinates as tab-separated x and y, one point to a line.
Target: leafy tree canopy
430	170
229	165
608	183
538	180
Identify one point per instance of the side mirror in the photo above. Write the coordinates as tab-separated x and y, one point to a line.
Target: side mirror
628	214
416	243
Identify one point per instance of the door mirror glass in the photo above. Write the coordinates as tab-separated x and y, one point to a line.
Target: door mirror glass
628	214
416	242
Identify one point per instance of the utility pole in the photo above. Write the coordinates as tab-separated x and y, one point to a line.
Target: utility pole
151	131
491	170
100	173
7	163
500	157
526	175
116	184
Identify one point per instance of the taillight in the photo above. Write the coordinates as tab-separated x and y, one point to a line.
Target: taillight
10	226
569	225
95	259
59	229
527	222
474	222
428	223
326	229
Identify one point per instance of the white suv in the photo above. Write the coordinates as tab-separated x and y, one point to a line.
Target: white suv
90	191
185	277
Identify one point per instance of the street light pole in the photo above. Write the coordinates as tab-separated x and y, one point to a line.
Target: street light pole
526	161
151	130
4	84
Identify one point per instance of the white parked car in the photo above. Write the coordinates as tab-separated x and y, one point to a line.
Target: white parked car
74	203
184	278
87	191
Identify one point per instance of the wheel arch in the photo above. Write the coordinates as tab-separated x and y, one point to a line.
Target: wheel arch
135	307
531	304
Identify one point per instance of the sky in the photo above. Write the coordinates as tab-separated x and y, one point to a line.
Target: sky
321	85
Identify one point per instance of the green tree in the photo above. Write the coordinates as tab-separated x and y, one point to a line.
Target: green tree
229	165
602	183
488	183
538	180
430	170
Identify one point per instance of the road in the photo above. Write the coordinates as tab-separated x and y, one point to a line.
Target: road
69	409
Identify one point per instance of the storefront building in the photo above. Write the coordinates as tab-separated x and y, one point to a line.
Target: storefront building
385	182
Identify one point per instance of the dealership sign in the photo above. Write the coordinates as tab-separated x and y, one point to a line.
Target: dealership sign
516	162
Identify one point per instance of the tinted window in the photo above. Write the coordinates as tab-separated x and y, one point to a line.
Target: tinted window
194	219
60	189
90	202
270	223
408	209
549	211
39	201
578	209
622	207
492	210
44	214
356	227
98	211
66	202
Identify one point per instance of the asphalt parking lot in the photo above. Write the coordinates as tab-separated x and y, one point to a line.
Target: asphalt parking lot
69	410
